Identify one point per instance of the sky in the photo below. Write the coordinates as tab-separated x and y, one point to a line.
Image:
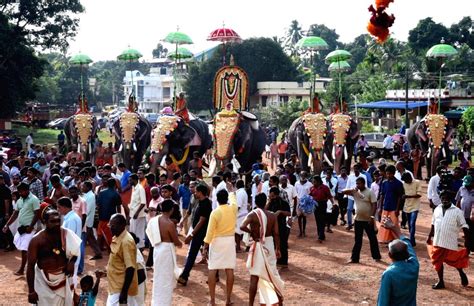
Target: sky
107	27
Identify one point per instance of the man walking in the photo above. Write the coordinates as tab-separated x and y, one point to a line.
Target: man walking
442	241
262	258
200	222
137	210
303	188
351	184
281	209
122	265
220	243
89	198
366	205
108	204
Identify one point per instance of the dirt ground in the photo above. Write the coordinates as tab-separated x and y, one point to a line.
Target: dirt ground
317	274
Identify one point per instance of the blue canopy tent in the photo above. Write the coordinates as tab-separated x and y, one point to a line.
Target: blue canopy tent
387	104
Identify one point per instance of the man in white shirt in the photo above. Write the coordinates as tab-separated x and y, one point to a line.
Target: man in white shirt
331	181
446	223
290	191
89	197
387	145
302	188
256	188
266	183
137	210
400	170
351	184
29	141
341	198
433	193
218	184
242	203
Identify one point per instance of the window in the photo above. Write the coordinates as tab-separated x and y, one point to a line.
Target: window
284	99
264	101
163	70
166	92
299	98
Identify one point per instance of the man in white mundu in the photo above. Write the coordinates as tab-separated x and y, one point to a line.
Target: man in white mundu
51	256
219	243
162	234
263	227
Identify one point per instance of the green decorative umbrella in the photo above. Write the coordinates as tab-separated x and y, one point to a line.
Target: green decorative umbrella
314	43
338	56
339	66
182	53
177	38
441	51
130	55
81	60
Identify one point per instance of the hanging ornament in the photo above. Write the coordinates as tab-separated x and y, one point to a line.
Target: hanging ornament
380	22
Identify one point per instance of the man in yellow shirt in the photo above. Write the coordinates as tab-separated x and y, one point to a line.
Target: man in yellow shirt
219	242
412	202
122	265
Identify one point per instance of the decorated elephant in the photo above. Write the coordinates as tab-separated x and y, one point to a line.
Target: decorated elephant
81	130
343	133
132	133
433	134
239	136
307	136
175	138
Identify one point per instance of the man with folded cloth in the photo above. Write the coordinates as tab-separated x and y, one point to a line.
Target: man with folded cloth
27	212
262	225
219	242
161	232
52	254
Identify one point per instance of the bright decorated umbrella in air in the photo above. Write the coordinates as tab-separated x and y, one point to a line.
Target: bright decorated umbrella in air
177	38
81	60
224	35
312	44
182	53
442	52
130	55
337	60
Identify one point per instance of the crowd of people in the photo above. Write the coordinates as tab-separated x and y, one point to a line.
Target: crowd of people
54	205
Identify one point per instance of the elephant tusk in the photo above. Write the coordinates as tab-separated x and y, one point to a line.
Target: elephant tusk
345	153
444	152
135	147
334	152
90	147
310	161
121	147
327	160
429	152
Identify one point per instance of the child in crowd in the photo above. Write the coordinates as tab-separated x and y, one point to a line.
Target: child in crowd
89	289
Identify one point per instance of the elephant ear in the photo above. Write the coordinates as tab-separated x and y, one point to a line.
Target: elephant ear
354	130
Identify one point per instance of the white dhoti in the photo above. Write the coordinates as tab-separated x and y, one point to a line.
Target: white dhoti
240	219
137	226
22	241
165	273
262	263
53	289
113	300
222	253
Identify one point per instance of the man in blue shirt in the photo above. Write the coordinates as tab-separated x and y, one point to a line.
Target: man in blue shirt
400	279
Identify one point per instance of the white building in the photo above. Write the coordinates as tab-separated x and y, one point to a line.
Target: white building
154	90
277	93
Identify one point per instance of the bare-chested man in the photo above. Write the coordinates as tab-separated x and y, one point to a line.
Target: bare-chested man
51	257
263	227
162	233
58	191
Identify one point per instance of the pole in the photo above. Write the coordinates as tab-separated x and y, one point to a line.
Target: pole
174	76
311	88
439	100
407	123
82	91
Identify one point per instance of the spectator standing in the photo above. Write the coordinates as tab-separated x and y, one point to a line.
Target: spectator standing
465	201
412	203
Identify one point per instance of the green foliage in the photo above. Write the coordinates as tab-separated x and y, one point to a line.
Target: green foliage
262	58
426	34
367	127
467	120
283	116
160	51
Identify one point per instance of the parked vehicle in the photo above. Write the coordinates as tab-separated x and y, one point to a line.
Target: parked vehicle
57	124
375	141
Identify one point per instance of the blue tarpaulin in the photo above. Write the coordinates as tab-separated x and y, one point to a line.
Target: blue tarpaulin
393	104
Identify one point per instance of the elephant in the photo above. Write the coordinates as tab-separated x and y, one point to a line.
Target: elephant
174	137
307	136
433	134
239	135
343	133
81	131
132	133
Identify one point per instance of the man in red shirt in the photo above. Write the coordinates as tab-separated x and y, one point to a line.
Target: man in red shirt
321	194
282	147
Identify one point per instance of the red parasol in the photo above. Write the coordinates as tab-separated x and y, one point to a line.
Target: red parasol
224	35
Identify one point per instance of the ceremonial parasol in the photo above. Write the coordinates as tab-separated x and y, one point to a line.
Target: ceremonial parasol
312	44
182	53
338	63
442	52
81	60
177	38
130	55
224	35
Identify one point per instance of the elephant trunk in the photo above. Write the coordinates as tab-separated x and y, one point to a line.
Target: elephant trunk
339	154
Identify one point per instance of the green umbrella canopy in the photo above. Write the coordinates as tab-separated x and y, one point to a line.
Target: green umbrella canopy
129	55
337	56
441	50
312	43
339	66
80	59
182	53
178	38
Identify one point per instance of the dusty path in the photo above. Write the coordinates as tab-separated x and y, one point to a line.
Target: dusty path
317	274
